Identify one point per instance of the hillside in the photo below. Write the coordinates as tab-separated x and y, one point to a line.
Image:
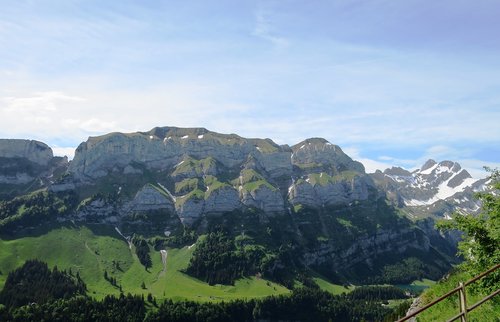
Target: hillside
93	250
291	216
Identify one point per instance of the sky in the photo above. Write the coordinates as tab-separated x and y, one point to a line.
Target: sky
394	83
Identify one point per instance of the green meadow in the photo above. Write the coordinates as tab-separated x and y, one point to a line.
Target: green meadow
92	250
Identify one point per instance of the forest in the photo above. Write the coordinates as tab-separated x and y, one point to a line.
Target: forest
35	293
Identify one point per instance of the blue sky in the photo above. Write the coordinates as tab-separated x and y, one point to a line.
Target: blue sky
391	82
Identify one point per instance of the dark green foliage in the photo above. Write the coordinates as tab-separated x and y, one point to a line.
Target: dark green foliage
480	246
407	271
217	261
111	309
304	304
111	280
398	312
375	293
35	282
186	237
142	251
35	209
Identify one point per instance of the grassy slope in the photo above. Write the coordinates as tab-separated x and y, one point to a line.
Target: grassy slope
335	289
91	252
449	307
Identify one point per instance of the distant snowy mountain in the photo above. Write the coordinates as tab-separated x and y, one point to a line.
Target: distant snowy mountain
436	188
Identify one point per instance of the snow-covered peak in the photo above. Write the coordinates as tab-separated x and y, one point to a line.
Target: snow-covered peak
429	184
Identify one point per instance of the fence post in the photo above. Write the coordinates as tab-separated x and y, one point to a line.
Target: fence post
463	302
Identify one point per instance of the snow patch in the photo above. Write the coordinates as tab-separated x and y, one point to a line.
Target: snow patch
200	136
178	164
444	192
151	137
185	137
303	145
415	202
429	171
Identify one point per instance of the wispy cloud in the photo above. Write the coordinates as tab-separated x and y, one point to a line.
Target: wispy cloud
359	74
264	28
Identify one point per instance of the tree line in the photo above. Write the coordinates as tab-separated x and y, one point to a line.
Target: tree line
33	292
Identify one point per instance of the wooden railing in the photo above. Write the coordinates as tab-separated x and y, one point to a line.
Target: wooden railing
464	310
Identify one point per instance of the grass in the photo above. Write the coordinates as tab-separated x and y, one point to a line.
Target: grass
195	194
252	180
186	185
91	250
489	311
198	166
334	289
213	184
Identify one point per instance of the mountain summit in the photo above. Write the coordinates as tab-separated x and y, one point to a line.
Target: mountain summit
305	207
435	188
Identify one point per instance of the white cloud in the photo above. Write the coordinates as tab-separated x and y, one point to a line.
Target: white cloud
476	167
370	164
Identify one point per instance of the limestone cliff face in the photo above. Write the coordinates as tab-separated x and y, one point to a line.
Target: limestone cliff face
189	209
223	199
319	153
162	148
152	198
318	190
98	210
34	151
25	162
328	176
368	247
151	209
264	198
314	172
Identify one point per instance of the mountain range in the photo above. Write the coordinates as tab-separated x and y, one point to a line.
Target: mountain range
336	220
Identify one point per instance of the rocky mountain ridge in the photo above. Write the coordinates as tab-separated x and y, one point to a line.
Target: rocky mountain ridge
203	172
437	189
312	195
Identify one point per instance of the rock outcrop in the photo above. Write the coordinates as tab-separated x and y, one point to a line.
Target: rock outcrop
152	198
436	189
28	162
325	190
162	148
319	153
263	197
34	151
368	247
195	159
